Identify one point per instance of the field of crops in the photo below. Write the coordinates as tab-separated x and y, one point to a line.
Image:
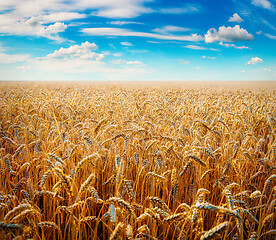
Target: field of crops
117	162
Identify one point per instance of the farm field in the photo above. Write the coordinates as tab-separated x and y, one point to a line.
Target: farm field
138	160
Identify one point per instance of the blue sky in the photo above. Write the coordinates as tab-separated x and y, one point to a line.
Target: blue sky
137	40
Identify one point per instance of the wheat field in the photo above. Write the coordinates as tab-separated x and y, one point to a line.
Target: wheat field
134	162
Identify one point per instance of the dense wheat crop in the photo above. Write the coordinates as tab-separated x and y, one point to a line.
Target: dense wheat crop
146	163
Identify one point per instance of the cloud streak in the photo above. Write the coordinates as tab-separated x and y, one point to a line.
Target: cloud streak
128	33
228	45
188	8
270	36
196	47
263	3
170	29
128	44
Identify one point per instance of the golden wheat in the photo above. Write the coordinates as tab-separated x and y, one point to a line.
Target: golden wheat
85	162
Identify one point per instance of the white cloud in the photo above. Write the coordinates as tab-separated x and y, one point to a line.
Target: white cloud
235	18
259	33
126	44
135	51
270	36
121	61
263	3
105	8
169	28
129	33
79	59
72	63
118	61
155	42
117	54
76	24
123	22
61	16
243	71
267	69
30	27
31	17
196	47
255	60
208	57
227	34
188	8
118	8
83	51
268	24
137	63
232	45
13	58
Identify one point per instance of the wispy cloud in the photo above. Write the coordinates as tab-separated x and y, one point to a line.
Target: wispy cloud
170	29
188	8
117	54
263	3
121	9
265	22
126	44
270	36
124	22
105	8
154	42
136	51
129	33
61	16
207	57
118	61
228	45
137	63
32	18
121	61
196	47
228	34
